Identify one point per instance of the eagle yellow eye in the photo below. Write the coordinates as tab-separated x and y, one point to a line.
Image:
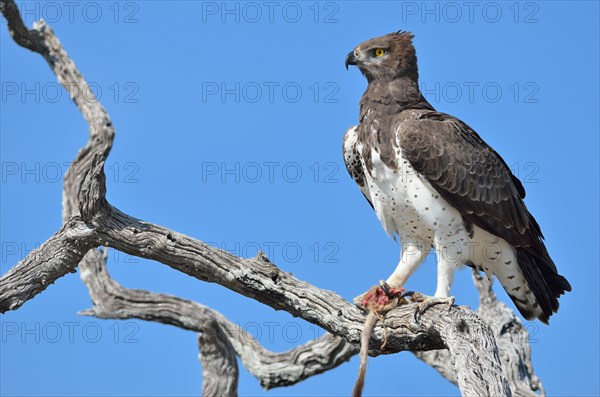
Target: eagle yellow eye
379	52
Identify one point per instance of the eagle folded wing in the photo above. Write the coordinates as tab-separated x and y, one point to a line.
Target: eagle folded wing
476	181
468	174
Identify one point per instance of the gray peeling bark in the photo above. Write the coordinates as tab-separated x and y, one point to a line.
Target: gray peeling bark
471	361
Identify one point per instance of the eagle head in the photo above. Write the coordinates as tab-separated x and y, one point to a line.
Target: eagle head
386	58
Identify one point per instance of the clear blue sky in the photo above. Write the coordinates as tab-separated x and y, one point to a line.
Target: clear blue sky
229	122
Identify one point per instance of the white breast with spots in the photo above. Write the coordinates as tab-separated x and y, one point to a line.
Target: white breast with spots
409	206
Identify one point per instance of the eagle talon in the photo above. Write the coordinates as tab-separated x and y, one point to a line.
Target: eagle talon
385	287
425	302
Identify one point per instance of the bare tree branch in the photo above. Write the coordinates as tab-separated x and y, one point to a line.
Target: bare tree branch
471	361
61	253
282	369
24	37
512	339
219	366
113	301
58	256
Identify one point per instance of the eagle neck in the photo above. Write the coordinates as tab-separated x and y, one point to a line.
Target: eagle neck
398	94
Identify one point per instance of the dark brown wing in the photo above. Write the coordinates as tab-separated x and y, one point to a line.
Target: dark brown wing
476	181
467	173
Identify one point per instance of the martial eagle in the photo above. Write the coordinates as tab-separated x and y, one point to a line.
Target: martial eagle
435	183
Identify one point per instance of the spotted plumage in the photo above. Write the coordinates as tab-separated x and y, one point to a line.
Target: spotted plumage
436	184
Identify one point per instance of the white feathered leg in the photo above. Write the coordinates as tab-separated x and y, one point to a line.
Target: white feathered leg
445	277
413	254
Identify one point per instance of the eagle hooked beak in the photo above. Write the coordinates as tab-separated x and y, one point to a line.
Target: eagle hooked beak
351	59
